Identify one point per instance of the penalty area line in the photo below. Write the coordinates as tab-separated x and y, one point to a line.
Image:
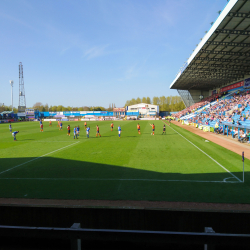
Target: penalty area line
209	156
38	158
107	179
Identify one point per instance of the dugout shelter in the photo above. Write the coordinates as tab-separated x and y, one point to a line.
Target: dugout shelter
220	59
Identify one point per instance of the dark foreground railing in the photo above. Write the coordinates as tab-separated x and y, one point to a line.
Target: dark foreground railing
149	238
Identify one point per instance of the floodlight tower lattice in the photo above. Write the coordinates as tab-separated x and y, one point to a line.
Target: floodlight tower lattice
11	84
22	101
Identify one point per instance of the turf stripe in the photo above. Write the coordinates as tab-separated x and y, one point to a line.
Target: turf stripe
38	158
107	179
207	155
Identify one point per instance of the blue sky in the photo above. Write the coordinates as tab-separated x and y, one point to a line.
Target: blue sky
98	52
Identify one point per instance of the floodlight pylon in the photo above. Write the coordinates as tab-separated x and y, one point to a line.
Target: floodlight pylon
11	84
22	101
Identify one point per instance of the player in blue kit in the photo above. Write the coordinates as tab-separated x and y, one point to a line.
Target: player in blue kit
119	131
78	130
14	135
75	132
60	126
87	131
10	128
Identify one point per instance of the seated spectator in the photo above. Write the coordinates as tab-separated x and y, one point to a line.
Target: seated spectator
235	134
242	136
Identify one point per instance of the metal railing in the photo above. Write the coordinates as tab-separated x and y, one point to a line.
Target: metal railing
76	234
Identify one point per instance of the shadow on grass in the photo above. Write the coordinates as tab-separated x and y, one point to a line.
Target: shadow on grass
55	178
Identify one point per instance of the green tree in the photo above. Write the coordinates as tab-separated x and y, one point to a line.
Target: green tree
38	106
133	101
162	104
148	100
85	108
156	100
138	100
54	108
59	108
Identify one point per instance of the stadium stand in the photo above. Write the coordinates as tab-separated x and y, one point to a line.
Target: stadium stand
229	110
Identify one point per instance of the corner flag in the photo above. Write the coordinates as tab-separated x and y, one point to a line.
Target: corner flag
243	156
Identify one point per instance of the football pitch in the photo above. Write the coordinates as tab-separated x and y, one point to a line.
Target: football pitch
178	166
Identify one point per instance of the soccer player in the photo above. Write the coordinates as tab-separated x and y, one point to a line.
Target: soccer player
10	128
169	121
85	125
97	131
139	128
164	129
75	133
78	130
112	126
153	129
58	123
119	131
41	126
14	135
60	126
50	123
87	131
68	128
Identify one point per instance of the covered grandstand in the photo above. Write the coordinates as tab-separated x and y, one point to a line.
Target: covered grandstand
220	59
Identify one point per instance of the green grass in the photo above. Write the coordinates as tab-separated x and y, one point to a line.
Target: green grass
134	167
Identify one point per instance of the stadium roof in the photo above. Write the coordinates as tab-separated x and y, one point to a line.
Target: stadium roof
223	55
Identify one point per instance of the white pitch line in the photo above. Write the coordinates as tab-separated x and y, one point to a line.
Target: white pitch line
45	141
99	179
208	156
37	158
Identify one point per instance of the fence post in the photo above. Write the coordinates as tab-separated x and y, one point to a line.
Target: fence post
76	243
208	230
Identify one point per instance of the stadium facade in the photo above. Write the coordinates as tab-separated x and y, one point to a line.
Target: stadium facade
142	110
220	59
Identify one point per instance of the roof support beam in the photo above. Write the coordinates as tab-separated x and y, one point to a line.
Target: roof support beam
228	44
228	53
222	60
230	71
238	14
221	66
232	32
230	77
217	75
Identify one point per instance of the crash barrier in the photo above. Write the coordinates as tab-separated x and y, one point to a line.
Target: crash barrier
76	235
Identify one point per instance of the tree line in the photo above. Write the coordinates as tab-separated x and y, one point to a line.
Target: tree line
169	103
43	108
166	103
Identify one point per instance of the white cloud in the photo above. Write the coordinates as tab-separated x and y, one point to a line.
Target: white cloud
96	51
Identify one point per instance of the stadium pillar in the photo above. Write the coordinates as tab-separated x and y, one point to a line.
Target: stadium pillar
76	243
